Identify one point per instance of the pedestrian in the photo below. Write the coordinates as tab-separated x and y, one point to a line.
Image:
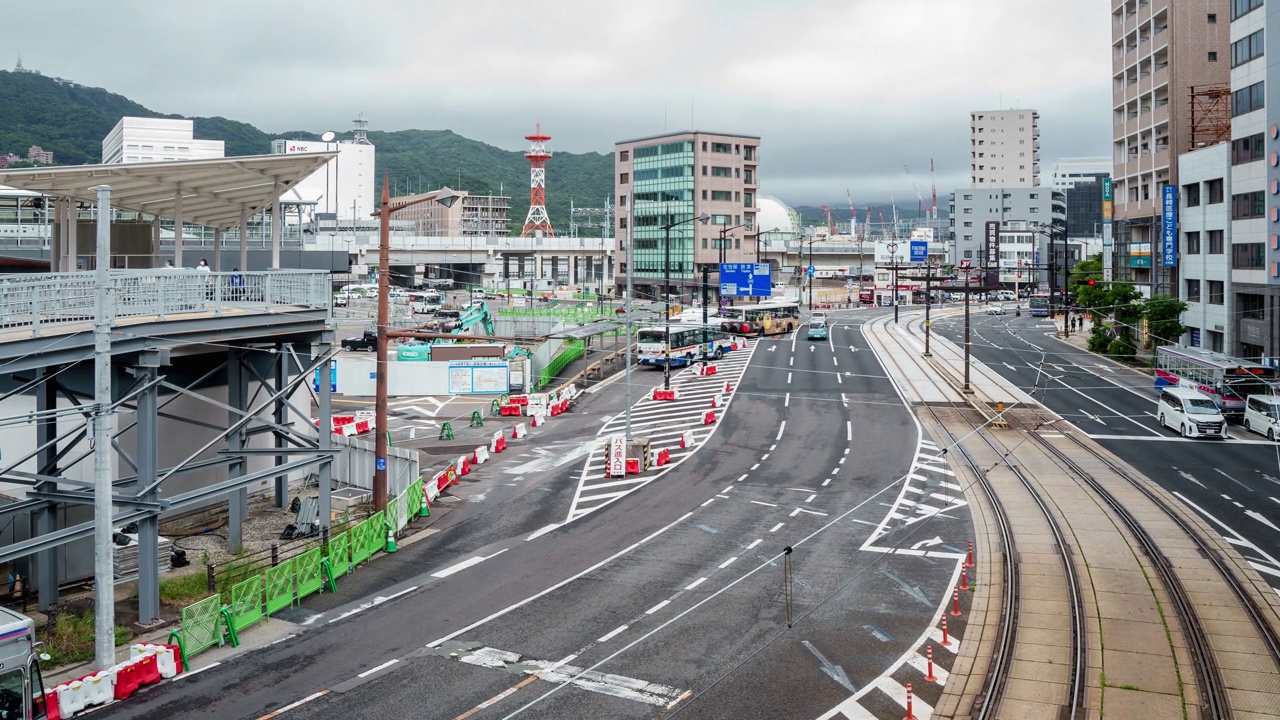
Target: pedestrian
204	266
168	264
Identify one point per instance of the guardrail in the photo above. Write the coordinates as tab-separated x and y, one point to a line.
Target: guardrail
46	303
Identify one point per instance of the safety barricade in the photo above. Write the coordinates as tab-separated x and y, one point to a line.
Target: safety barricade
661	394
245	607
707	369
520	400
277	588
202	624
98	688
498	443
519	432
633	466
340	552
539	420
413	498
709	418
309	577
686	439
376	536
463	466
570	392
511	410
728	387
71	698
661	457
167	663
357	548
716	401
480	455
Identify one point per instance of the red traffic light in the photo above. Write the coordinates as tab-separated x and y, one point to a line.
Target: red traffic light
1091	281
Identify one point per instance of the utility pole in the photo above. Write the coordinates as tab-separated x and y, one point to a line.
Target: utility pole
967	344
631	269
104	590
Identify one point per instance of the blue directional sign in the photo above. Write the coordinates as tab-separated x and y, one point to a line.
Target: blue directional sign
810	270
919	251
1169	227
333	377
380	464
746	280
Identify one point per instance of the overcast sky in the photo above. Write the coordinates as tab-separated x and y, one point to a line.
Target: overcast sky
843	92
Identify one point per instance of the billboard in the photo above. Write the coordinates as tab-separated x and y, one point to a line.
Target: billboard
991	258
1108	198
1169	226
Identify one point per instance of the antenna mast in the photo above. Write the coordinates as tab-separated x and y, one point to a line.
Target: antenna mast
537	221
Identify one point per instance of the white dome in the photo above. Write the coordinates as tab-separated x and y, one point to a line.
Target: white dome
776	217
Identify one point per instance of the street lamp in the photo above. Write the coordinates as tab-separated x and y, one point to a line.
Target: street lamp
893	260
666	299
447	198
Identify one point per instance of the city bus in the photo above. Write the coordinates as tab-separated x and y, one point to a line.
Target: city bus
1228	380
1039	304
766	318
689	343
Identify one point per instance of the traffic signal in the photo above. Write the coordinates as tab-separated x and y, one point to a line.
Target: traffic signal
1091	281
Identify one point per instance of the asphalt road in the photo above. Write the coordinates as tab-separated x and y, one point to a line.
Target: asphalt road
1233	483
669	601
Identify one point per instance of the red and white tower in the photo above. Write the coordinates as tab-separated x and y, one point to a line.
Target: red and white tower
538	156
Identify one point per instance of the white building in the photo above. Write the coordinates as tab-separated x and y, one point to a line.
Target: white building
1068	171
344	187
1004	148
1204	221
136	139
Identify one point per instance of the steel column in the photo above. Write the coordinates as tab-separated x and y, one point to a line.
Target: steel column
217	250
46	518
244	242
177	227
325	470
148	458
237	396
104	591
275	231
281	415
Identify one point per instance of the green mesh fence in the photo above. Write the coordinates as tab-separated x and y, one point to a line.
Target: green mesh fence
571	351
377	534
358	545
201	624
340	553
307	571
246	603
413	499
278	586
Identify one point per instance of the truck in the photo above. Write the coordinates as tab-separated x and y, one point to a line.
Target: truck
21	687
367	342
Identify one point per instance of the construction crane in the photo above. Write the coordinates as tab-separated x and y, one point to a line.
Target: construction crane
853	215
919	198
933	183
831	226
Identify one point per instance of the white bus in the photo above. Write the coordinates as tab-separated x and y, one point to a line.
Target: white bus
773	317
689	343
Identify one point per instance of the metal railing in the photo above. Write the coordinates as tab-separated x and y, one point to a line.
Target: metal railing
47	303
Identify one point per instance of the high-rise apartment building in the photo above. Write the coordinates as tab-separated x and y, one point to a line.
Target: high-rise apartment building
1004	148
1160	51
135	139
675	177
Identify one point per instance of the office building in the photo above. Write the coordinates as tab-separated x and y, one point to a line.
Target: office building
1168	61
1004	148
135	139
1038	210
1068	171
344	188
1204	227
470	216
679	176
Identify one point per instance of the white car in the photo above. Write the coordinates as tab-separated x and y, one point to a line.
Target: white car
817	317
996	310
1262	415
1191	413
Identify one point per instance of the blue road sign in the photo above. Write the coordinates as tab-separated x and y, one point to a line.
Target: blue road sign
919	251
333	377
1169	227
746	280
380	465
810	270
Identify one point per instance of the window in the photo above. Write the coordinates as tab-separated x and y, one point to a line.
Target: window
624	155
1246	49
737	173
1213	188
1193	290
1034	196
622	223
748	152
1215	292
704	194
737	244
1247	149
749	199
721	147
968	197
1248	256
737	196
622	200
704	146
968	254
1191	195
1213	56
968	223
1244	7
1251	306
721	195
718	171
968	211
704	171
720	220
704	243
1192	244
1248	205
746	177
1247	99
1213	18
1033	210
1215	242
624	178
131	147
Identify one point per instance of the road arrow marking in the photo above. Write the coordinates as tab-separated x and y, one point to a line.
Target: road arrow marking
835	672
927	543
908	588
1188	476
772	348
1262	519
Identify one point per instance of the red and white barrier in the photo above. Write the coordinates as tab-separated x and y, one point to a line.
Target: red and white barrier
686	439
709	418
498	443
539	420
519	432
463	466
717	401
480	455
707	369
728	387
660	394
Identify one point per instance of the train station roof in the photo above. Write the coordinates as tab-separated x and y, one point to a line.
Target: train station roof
215	192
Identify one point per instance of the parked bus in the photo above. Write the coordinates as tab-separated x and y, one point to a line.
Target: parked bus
688	344
1228	380
21	690
1039	304
766	318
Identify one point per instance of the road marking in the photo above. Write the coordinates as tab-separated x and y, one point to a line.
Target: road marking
788	378
846	451
612	633
753	467
791	362
744	477
708	502
383	666
835	471
781	428
834	360
826	482
775	527
728	562
286	708
842	461
475	560
727	489
848	430
657	607
811	497
375	602
764	457
838	380
773	447
797	511
543	531
754	543
695	583
786	402
764	503
197	671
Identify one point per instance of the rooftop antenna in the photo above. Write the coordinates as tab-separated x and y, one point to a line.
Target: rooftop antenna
19	67
360	133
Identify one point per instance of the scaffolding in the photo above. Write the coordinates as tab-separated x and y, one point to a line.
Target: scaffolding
1210	115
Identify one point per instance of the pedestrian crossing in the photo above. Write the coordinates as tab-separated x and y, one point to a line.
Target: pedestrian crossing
663	422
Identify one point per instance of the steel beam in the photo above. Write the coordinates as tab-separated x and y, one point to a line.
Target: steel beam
46	516
148	451
238	501
279	413
325	349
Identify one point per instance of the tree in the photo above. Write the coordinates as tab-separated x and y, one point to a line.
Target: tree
1164	319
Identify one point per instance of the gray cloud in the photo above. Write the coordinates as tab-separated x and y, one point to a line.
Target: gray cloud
844	93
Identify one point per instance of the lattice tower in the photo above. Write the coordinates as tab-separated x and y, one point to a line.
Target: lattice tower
538	156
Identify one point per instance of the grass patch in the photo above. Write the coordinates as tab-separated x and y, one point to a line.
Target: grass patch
184	589
72	639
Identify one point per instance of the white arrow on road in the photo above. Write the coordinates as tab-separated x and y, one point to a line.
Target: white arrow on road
1188	476
852	348
835	672
812	349
908	588
772	348
1261	518
927	543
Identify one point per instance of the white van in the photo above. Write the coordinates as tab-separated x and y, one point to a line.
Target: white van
1191	413
1262	415
1006	295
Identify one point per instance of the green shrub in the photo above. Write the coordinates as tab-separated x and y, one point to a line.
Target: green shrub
72	639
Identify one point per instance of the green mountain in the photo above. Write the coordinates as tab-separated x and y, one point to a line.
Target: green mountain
71	120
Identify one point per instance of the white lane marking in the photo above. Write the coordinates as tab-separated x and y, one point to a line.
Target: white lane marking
372	603
383	666
695	583
797	511
842	460
788	378
773	447
848	430
919	662
744	477
838	380
764	503
834	360
197	671
781	428
657	607
469	562
562	583
764	457
786	402
835	471
826	482
612	634
728	562
755	542
846	451
723	497
276	713
810	498
727	489
757	465
708	502
775	527
543	531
